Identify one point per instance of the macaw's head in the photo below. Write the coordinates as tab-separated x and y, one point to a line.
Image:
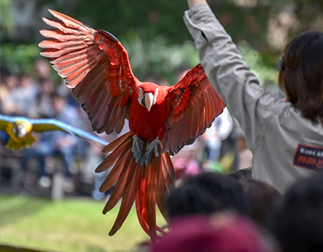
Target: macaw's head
148	92
21	128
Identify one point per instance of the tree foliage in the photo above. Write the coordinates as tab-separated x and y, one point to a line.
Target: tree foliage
158	42
20	58
148	18
243	19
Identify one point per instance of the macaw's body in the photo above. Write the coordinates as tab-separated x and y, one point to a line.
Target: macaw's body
20	130
149	124
161	119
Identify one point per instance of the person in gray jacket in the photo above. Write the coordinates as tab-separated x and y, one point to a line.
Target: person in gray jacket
285	136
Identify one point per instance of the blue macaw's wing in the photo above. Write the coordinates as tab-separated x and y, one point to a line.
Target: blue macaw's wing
4	120
3	123
41	125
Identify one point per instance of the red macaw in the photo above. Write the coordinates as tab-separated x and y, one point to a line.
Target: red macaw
161	119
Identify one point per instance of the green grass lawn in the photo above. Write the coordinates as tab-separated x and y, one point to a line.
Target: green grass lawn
67	225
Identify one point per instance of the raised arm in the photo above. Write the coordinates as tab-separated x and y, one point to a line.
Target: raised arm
229	74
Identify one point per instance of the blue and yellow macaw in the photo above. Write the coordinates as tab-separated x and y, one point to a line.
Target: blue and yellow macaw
20	130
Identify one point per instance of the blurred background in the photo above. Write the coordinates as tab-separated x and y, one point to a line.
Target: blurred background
49	199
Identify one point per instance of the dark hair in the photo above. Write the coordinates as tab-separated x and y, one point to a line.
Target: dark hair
188	200
298	221
302	77
262	198
241	174
206	193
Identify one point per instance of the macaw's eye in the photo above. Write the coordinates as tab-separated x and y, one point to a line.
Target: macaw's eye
140	90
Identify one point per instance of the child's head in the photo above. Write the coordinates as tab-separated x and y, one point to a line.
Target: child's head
205	194
301	74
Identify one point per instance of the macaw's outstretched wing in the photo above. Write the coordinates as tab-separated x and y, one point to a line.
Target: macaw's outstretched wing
96	65
41	125
4	120
195	104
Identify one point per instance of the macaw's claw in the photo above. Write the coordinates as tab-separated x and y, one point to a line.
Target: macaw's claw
154	146
137	148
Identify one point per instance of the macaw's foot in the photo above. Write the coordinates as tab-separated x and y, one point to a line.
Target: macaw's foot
137	148
154	146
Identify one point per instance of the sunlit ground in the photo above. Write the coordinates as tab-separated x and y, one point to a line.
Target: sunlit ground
68	225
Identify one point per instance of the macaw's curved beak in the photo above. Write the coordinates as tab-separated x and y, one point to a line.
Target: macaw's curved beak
148	100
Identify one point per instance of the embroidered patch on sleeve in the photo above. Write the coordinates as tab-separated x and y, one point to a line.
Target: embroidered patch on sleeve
309	157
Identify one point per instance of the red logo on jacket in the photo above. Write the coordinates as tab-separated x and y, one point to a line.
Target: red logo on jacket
309	157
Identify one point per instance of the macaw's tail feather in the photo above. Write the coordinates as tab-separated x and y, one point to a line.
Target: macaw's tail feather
144	185
155	180
118	149
25	142
114	144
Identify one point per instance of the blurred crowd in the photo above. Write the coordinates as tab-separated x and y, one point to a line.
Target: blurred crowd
38	96
220	148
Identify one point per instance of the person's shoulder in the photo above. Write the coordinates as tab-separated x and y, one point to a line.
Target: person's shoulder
291	119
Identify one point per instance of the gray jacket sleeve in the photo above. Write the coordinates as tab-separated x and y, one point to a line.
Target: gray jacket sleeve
249	103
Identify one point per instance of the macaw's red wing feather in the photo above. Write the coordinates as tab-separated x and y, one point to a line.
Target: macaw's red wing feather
195	104
96	65
146	186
